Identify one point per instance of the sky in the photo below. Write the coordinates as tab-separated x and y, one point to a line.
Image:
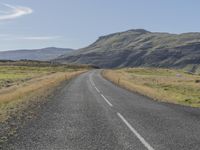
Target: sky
30	24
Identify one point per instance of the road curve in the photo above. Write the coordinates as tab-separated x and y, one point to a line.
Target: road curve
91	113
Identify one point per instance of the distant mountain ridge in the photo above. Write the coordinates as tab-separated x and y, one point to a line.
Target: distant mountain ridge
44	54
139	47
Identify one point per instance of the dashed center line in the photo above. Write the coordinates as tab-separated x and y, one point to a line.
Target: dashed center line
92	82
107	100
142	140
97	89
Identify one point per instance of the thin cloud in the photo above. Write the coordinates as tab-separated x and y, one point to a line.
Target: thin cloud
14	12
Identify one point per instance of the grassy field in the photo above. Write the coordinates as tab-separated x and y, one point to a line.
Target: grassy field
19	84
25	86
175	86
12	75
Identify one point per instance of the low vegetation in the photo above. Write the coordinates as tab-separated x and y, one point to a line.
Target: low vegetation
24	86
165	85
20	80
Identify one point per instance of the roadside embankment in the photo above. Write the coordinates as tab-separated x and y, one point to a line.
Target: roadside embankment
166	85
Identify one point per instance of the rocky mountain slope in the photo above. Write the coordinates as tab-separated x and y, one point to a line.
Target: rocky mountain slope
37	54
140	48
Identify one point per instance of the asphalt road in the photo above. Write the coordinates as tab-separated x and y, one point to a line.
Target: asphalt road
91	113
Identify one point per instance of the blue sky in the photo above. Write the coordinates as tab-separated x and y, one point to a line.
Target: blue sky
29	24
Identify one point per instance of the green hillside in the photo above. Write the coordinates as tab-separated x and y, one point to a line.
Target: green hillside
139	47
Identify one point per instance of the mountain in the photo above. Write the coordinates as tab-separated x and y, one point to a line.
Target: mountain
139	47
36	54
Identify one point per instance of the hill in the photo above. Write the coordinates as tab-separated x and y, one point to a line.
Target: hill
139	47
36	54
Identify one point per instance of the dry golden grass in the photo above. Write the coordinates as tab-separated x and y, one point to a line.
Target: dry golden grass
16	98
160	84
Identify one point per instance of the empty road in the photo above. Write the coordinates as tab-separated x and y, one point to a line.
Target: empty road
91	113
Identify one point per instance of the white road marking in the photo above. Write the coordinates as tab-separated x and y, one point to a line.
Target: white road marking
101	94
92	82
94	86
142	140
107	100
97	89
145	143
